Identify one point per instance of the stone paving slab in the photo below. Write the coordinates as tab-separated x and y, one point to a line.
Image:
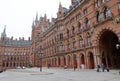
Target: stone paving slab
57	74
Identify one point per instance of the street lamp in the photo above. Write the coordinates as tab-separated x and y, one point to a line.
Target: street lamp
40	53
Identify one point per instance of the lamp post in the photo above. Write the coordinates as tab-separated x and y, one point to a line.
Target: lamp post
40	62
40	54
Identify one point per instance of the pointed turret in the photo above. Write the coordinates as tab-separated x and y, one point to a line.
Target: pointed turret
36	19
60	11
45	17
33	24
4	32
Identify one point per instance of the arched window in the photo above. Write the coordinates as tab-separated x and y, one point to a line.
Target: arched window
96	3
74	44
79	27
87	23
99	17
61	36
81	42
103	1
89	40
107	13
67	32
68	46
73	29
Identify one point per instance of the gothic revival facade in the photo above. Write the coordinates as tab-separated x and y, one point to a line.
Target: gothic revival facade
14	53
88	33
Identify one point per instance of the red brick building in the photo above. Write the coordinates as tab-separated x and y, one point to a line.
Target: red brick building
14	53
88	33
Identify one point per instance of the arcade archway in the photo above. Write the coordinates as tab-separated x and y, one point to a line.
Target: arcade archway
110	55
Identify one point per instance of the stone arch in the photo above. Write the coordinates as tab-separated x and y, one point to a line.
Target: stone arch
59	61
90	60
74	60
64	60
107	42
81	60
98	33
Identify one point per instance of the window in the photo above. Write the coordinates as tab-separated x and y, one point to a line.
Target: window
61	48
67	32
68	46
73	30
99	17
61	36
96	3
72	21
81	43
79	27
103	1
87	23
78	17
89	41
61	27
74	44
85	11
67	24
107	13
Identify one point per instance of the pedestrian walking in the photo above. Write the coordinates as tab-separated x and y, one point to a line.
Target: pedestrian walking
98	68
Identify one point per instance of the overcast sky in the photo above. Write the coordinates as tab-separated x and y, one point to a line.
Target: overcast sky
18	15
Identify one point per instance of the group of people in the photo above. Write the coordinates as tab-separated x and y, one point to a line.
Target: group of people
102	67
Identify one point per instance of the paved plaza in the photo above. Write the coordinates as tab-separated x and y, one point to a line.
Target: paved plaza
58	74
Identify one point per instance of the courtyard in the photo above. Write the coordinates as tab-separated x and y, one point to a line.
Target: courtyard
58	74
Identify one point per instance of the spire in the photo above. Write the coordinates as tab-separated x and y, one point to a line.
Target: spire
60	6
36	16
4	32
36	20
33	23
4	29
45	17
60	10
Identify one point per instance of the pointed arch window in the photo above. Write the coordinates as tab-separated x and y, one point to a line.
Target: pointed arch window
89	40
103	1
87	25
81	42
79	27
68	46
107	13
67	33
96	3
61	36
74	44
85	11
99	17
73	29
